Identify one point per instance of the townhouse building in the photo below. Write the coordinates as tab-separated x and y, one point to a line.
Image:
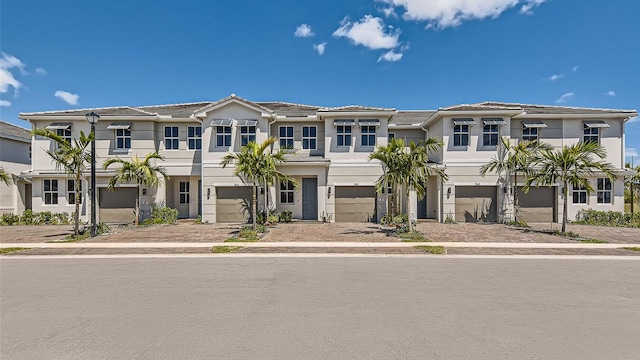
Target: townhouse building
330	163
15	158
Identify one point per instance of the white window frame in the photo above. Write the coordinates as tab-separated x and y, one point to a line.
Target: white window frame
124	135
530	134
287	192
308	139
577	195
391	135
173	139
247	134
459	132
53	194
194	140
342	133
65	134
488	130
591	134
183	192
602	190
366	134
71	191
222	133
286	141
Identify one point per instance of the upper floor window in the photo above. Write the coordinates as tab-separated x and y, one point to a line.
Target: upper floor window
50	191
490	134
592	130
579	194
194	137
368	135
604	191
71	191
286	137
223	135
171	139
286	192
122	135
247	135
530	134
461	135
309	137
63	130
344	135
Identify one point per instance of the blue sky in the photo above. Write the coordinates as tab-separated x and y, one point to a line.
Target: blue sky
407	54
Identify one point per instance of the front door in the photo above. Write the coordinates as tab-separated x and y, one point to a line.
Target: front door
200	197
422	206
183	199
310	199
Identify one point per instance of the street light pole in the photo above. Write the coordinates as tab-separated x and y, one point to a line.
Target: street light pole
93	118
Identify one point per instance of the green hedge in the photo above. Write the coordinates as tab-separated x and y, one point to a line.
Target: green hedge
29	217
607	218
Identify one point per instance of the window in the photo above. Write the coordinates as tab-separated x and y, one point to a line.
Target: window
344	135
309	137
184	192
490	135
223	135
71	191
591	134
65	134
391	136
123	138
247	134
29	152
286	192
286	137
604	191
368	135
50	192
194	137
579	195
171	140
530	134
461	135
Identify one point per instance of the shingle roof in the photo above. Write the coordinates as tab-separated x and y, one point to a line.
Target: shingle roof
347	108
14	132
411	117
290	109
550	109
175	110
481	107
111	111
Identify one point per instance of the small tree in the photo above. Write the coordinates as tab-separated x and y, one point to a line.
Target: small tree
571	165
256	163
5	177
407	166
142	172
514	159
74	158
632	180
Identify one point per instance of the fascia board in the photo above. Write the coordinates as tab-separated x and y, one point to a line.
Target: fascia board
574	116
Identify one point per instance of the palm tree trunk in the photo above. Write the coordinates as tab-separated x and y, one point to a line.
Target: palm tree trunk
266	201
76	216
137	221
515	196
255	206
410	227
565	206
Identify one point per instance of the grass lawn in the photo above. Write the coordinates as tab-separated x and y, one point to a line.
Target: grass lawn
437	250
225	249
10	250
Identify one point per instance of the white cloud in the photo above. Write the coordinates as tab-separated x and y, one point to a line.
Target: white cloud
5	103
8	62
388	12
304	31
69	98
529	5
611	93
41	71
450	13
575	68
320	48
629	152
555	77
369	32
564	98
390	56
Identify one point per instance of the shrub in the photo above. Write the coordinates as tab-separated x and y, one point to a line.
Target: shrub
286	216
518	223
9	219
449	220
412	237
27	217
607	218
162	215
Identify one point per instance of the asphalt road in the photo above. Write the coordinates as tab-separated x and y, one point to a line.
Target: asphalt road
311	308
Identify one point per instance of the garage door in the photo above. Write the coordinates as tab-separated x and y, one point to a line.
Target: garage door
538	205
233	204
117	206
476	204
355	203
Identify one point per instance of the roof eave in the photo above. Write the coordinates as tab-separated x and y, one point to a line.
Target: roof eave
625	115
357	113
42	117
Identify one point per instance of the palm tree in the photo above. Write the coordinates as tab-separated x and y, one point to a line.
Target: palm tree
74	158
5	177
571	165
142	172
256	163
631	181
407	166
514	159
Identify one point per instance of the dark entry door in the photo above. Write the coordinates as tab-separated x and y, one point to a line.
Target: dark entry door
310	199
422	206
